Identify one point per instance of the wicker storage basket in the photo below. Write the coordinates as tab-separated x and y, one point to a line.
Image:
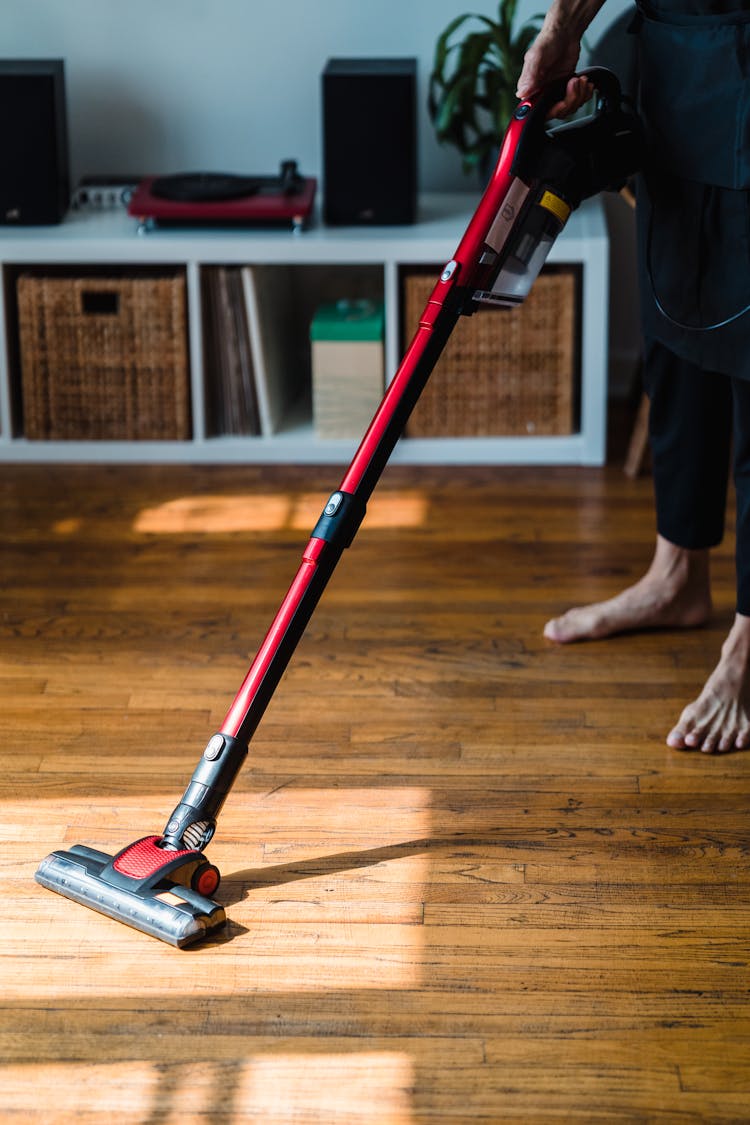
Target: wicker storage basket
503	371
104	357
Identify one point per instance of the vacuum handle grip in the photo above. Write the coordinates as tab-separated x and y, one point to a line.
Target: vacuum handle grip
537	107
607	85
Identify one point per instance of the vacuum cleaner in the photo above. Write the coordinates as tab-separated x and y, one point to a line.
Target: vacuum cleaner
164	884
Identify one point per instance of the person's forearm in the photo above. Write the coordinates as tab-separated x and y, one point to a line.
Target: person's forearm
554	54
571	16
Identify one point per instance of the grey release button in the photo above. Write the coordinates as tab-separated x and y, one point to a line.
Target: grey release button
214	748
449	270
333	504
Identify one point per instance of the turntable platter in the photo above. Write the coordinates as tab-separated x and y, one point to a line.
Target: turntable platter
204	187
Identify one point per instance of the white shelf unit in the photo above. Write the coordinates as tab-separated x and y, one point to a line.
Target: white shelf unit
112	238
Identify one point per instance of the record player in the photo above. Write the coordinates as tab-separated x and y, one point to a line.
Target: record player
217	199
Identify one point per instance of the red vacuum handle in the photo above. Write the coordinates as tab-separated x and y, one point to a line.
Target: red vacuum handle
345	509
443	308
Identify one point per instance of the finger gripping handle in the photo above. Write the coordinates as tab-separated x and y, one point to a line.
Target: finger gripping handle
607	85
605	82
538	105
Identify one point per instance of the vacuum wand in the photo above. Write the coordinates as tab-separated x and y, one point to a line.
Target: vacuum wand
164	885
193	821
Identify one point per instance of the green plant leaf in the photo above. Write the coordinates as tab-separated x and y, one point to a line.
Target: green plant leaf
442	45
471	90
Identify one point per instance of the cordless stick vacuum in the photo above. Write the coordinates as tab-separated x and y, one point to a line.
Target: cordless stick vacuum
164	884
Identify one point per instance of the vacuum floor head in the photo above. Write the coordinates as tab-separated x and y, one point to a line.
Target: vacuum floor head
155	903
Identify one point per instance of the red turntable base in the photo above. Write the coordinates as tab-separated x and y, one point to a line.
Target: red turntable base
218	199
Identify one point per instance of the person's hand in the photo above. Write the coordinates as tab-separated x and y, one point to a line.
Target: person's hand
553	54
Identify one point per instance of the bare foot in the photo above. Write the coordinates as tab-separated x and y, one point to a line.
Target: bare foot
674	592
719	719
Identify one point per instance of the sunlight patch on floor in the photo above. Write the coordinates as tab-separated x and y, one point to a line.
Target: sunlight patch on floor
353	1087
305	873
364	1088
258	512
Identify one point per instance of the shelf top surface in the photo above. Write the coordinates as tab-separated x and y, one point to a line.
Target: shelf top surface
114	236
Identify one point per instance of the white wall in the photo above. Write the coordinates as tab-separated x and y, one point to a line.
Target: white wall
158	86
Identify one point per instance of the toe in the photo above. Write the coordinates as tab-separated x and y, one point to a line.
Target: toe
711	735
550	629
729	739
559	629
685	736
676	738
742	737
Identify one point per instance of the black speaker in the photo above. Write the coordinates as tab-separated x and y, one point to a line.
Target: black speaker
34	178
369	141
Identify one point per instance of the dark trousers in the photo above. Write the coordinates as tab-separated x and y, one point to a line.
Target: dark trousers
697	419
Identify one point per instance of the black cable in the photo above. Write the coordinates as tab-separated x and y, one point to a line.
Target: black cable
660	307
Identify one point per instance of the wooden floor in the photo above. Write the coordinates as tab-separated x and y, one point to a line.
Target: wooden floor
467	880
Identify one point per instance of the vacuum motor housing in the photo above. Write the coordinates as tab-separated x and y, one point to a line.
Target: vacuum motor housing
579	158
554	168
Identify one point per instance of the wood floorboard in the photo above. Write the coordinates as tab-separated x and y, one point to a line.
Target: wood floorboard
466	880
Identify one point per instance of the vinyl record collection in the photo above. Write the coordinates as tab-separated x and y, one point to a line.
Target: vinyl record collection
253	375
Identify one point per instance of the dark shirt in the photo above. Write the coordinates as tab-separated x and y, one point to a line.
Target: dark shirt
694	197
